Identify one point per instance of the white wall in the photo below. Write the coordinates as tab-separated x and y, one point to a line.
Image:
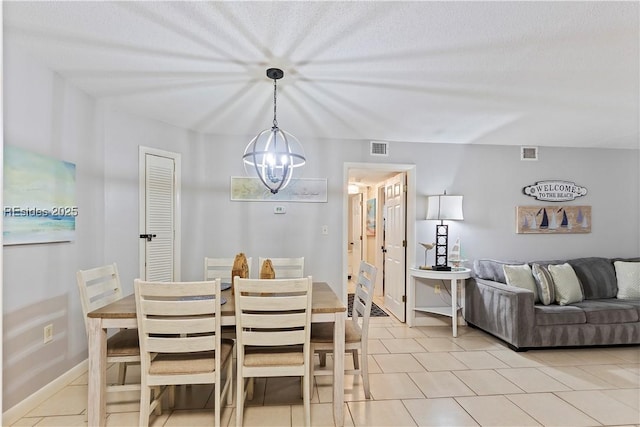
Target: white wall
45	114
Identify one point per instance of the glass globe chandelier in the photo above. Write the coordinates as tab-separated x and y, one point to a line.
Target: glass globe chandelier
273	154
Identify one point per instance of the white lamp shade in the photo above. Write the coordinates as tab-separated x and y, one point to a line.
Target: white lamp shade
444	206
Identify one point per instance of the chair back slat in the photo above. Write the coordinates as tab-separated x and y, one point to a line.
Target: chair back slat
196	325
277	303
98	287
273	338
181	344
221	268
183	307
258	321
363	298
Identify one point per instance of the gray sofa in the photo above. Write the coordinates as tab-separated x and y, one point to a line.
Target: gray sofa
509	312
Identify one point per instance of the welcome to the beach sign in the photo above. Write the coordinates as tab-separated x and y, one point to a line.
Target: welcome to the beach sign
554	191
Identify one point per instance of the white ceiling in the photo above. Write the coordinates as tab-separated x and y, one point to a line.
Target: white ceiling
506	73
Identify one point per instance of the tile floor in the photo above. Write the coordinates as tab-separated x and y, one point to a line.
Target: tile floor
419	377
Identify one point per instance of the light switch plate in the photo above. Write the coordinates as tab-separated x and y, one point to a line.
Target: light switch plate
279	210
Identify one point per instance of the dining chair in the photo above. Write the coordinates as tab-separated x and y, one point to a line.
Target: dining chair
286	268
98	287
220	268
180	341
273	325
356	330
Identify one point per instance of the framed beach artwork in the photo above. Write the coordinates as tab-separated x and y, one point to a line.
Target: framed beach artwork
39	198
251	189
371	217
553	219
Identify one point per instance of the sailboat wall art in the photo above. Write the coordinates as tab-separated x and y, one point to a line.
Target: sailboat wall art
553	219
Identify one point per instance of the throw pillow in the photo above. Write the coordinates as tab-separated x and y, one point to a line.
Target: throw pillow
521	277
566	283
628	276
544	283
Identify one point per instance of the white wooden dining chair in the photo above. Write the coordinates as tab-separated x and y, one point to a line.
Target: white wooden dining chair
220	268
180	341
273	325
98	287
356	330
286	268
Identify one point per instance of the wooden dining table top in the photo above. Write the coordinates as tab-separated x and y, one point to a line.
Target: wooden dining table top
323	300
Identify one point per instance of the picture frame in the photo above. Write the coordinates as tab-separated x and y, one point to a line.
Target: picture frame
371	217
553	219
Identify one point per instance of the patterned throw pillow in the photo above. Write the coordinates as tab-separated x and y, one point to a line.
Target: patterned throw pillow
628	276
566	283
544	283
521	277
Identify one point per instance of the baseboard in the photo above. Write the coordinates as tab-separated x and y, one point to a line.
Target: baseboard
27	405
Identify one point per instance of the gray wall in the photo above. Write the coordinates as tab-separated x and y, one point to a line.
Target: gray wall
45	114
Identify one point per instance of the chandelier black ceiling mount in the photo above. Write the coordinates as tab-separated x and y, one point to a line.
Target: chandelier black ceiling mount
273	154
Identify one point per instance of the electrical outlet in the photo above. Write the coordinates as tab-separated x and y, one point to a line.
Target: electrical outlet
325	229
436	289
48	333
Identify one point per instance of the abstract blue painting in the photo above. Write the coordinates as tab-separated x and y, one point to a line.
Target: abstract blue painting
39	198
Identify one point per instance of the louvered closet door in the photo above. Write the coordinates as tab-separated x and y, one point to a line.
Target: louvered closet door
159	218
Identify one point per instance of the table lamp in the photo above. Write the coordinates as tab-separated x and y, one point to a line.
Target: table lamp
443	207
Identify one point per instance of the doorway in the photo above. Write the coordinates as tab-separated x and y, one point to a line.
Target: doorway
371	180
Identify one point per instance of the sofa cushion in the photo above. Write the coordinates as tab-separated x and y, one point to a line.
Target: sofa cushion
597	277
608	311
628	277
521	277
491	269
566	283
547	315
544	284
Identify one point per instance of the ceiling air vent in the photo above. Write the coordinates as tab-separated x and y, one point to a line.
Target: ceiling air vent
379	148
528	153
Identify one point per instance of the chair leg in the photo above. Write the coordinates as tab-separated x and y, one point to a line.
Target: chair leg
250	387
354	355
306	398
323	358
365	372
217	402
145	402
230	381
122	372
239	397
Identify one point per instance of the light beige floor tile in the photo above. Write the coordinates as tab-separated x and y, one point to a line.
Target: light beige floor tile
477	343
440	384
594	356
614	375
629	396
439	362
353	389
628	354
377	333
484	382
27	422
532	380
402	345
193	396
576	378
404	332
440	331
438	344
375	347
554	357
273	416
393	386
444	412
479	360
321	415
70	400
197	418
398	363
64	421
635	368
125	401
604	408
380	413
516	359
259	387
283	391
495	411
549	410
132	419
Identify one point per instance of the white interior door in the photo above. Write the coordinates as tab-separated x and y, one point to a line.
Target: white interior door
159	215
355	238
395	246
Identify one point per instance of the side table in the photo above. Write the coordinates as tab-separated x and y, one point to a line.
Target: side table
454	275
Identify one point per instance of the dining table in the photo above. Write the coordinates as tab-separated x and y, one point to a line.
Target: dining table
326	307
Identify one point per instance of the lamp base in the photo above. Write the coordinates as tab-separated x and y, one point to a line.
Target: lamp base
425	267
441	268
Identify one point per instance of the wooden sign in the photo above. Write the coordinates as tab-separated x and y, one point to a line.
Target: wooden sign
554	191
553	219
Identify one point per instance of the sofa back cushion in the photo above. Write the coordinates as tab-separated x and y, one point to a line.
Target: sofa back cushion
491	269
597	277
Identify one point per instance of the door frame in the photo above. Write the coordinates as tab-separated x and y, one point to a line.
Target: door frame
177	218
410	170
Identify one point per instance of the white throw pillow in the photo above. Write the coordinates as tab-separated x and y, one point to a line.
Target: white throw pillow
521	277
567	285
544	283
628	276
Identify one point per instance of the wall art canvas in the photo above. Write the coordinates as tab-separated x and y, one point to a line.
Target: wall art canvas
553	219
39	198
251	189
371	217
